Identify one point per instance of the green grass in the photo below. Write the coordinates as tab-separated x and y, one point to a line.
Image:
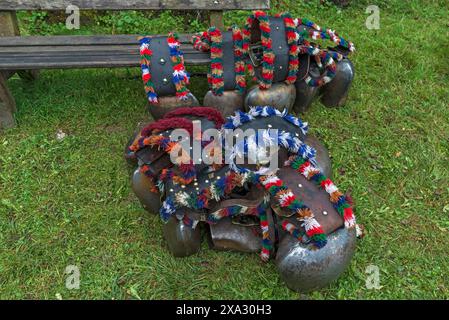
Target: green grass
69	202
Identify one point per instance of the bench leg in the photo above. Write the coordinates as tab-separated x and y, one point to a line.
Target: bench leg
216	19
10	27
7	105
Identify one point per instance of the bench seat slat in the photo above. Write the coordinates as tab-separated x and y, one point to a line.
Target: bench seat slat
47	50
134	4
42	52
85	61
77	40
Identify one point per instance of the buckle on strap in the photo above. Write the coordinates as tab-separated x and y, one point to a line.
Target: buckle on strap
256	54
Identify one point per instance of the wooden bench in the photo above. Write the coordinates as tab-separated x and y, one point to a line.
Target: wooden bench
27	55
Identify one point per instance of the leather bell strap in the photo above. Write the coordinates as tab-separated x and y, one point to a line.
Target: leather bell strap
163	70
227	68
324	59
309	29
278	43
233	207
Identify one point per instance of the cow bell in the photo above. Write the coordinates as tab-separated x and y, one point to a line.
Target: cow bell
335	93
182	240
227	103
280	96
304	269
170	103
151	201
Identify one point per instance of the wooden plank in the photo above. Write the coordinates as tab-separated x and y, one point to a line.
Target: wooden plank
64	51
216	19
8	24
78	40
7	105
14	5
83	61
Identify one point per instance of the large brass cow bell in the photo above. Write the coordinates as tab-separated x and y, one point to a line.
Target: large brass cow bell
335	93
280	96
227	103
151	201
332	94
304	270
182	240
300	265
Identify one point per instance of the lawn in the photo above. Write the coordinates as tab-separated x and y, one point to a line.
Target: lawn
69	202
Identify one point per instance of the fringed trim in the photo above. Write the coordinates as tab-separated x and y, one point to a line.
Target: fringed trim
188	175
239	54
219	188
212	40
340	202
267	243
209	113
268	55
293	230
231	211
257	144
292	40
287	199
201	41
215	77
145	64
240	117
322	57
323	33
167	124
180	76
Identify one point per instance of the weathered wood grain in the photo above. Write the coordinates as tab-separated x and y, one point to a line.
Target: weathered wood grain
8	24
216	19
15	5
7	105
79	40
42	52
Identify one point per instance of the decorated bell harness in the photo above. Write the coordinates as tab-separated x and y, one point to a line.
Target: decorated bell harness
302	161
151	136
212	40
268	56
179	77
298	41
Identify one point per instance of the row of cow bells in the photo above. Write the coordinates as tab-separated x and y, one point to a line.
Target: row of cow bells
296	97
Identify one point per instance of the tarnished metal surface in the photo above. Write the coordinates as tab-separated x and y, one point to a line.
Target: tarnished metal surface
335	93
304	96
170	103
304	270
227	103
279	96
182	240
225	235
150	201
